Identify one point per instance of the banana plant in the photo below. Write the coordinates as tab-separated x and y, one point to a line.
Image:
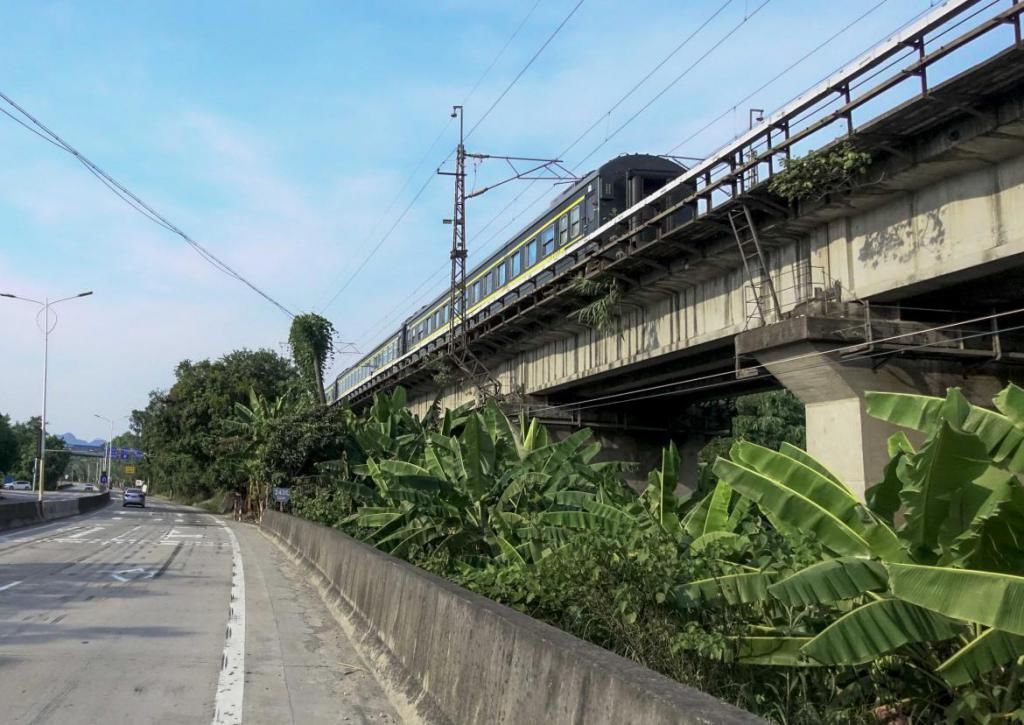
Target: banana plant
950	571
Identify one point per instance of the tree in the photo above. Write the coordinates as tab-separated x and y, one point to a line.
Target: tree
182	430
8	445
312	341
27	436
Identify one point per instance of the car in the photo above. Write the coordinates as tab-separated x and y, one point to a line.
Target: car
90	487
133	497
18	486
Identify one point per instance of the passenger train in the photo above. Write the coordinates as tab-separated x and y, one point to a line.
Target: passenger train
536	253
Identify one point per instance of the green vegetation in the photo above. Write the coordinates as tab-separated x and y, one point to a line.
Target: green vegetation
600	299
312	342
19	446
773	587
820	172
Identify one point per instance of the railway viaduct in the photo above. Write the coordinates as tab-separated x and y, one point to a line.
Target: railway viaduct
904	278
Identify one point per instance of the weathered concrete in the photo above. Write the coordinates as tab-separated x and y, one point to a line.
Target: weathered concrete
465	659
839	431
23	513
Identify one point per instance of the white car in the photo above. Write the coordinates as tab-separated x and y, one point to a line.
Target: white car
18	486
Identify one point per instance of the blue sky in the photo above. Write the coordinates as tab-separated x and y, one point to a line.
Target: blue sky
279	134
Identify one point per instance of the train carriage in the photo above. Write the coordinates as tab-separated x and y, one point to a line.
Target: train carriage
544	248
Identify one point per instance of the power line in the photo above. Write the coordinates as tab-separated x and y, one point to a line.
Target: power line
572	145
623	397
441	134
135	201
493	105
524	68
778	75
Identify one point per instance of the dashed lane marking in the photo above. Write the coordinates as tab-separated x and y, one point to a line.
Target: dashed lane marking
5	587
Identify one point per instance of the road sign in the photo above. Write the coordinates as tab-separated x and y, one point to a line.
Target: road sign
103	478
129	469
281	495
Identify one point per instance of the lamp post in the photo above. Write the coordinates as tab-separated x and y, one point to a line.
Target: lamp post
110	443
46	328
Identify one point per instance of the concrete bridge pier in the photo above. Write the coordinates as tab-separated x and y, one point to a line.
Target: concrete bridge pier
831	377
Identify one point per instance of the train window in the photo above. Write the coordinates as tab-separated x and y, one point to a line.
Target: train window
531	253
502	275
563	230
574	222
476	291
517	264
547	238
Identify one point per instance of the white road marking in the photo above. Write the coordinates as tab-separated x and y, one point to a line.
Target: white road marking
120	537
174	534
141	574
230	684
5	587
93	530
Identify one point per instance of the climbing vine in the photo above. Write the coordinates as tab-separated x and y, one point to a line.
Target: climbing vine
602	298
820	172
311	339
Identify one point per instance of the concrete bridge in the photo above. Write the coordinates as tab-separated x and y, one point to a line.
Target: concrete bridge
906	278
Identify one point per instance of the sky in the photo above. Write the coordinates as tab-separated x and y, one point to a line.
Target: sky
288	138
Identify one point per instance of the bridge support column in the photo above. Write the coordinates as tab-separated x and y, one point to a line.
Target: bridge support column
839	432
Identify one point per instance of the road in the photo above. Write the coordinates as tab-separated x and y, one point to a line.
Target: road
127	615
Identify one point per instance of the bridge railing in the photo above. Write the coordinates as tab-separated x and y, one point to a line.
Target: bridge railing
892	73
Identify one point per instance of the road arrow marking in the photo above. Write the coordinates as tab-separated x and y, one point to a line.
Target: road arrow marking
140	574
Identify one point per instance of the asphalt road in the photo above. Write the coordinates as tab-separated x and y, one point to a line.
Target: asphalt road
167	615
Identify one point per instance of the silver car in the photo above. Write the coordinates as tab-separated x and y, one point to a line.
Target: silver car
133	497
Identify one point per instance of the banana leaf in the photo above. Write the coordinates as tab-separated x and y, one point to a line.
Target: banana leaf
712	537
1010	402
693	521
989	598
772	651
619	519
875	629
799	454
949	460
984	653
403	468
831	496
479	457
793	508
831	580
883	498
918	412
718	509
509	552
730	588
581	520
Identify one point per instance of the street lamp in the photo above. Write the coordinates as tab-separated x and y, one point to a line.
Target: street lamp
110	442
46	328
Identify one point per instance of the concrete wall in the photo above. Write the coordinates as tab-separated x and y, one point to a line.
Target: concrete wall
465	659
23	513
954	222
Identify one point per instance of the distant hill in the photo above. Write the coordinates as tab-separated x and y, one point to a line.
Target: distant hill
72	441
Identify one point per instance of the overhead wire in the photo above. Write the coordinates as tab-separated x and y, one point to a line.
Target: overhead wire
133	200
638	84
430	178
785	361
437	139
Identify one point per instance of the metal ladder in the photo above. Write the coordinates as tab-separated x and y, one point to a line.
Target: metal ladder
755	265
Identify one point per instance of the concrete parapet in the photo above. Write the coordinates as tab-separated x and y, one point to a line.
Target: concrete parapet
24	513
462	658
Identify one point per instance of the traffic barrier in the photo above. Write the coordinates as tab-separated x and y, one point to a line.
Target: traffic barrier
24	513
459	657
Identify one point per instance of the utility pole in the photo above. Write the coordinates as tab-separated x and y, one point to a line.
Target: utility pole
458	333
457	296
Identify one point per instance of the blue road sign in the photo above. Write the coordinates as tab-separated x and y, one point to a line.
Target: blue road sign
103	478
124	454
